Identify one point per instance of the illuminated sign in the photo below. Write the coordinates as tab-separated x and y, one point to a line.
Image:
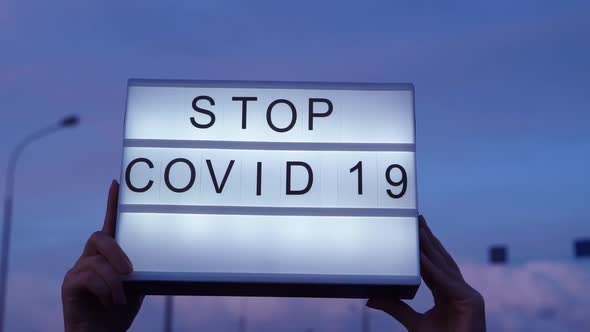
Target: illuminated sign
268	188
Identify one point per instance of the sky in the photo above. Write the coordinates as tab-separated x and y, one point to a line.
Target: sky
503	139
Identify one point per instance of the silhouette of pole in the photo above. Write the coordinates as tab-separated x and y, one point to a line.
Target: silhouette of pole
243	322
168	314
69	121
365	320
498	254
582	248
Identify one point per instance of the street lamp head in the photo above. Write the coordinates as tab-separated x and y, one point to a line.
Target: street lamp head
70	121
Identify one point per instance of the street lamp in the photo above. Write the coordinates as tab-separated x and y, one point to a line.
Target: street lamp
69	121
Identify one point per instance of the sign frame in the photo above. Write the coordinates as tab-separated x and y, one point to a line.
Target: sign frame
276	285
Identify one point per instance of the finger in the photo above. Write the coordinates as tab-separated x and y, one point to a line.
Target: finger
438	245
443	287
397	309
426	274
89	282
108	274
437	280
427	247
102	244
110	218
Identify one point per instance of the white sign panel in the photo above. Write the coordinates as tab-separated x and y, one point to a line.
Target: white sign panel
267	182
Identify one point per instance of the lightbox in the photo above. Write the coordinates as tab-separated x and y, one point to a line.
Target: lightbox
270	189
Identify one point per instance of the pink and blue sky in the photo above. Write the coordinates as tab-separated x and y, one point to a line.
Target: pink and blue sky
503	126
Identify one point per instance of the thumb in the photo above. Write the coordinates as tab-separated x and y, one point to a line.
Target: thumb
110	217
397	309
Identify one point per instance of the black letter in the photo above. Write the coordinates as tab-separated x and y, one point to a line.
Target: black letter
258	178
219	189
204	111
293	117
128	175
318	115
167	175
309	178
359	167
403	181
245	101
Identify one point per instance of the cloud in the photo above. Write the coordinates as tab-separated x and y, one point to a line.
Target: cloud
536	296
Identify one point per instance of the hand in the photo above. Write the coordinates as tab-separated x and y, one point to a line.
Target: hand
457	306
92	291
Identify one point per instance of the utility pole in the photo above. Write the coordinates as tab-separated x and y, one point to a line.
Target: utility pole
498	255
365	320
168	313
243	321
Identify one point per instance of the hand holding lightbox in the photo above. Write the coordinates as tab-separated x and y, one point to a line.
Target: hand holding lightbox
457	306
93	295
94	298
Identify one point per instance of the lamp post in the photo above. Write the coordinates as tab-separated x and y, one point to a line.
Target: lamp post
69	121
